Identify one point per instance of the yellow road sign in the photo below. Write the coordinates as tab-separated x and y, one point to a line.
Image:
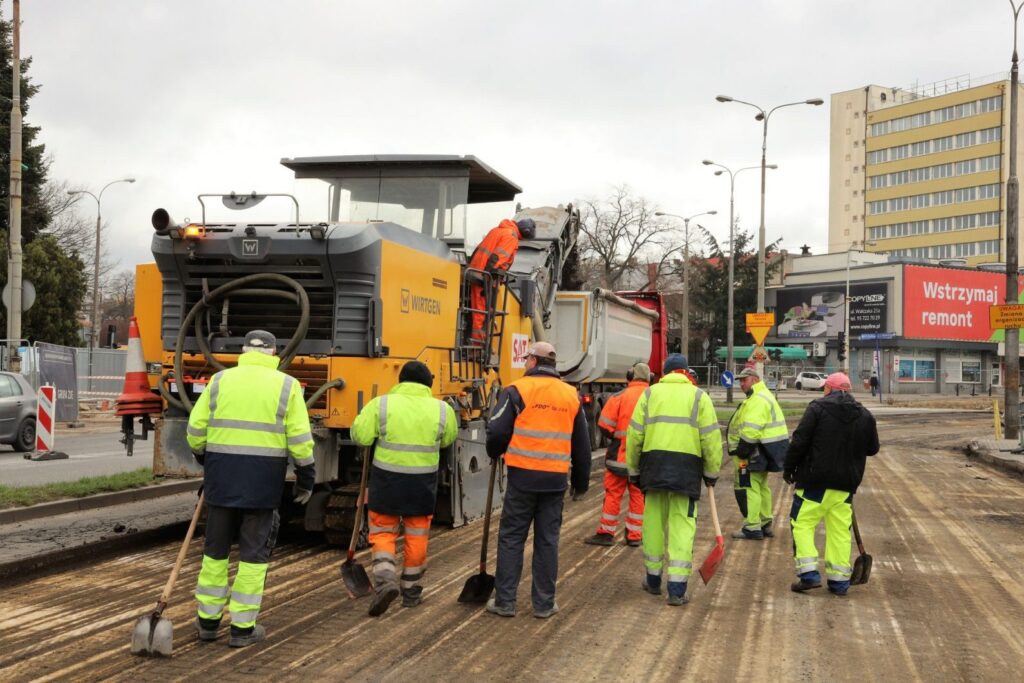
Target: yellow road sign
1004	316
758	325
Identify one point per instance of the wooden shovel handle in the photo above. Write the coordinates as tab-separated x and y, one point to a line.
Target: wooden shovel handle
359	504
487	516
714	514
166	595
856	531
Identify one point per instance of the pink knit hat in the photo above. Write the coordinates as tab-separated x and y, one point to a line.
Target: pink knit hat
838	380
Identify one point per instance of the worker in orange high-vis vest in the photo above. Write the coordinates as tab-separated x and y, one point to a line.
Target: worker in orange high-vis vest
540	428
615	420
494	255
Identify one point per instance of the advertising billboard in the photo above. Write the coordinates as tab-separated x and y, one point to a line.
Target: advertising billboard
820	311
948	303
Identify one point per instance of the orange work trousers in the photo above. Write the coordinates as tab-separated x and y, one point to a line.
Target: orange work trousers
384	533
615	486
477	302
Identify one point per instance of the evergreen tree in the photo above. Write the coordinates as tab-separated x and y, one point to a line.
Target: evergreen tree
35	214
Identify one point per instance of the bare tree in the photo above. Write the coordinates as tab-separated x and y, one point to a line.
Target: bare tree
621	233
119	296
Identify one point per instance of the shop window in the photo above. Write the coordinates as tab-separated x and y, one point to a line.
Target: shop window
913	370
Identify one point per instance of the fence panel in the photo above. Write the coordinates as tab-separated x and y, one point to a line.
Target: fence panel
102	377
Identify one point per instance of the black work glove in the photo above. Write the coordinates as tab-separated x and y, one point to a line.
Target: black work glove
199	456
634	479
710	481
789	476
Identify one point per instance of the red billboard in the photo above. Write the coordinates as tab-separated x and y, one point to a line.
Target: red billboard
948	303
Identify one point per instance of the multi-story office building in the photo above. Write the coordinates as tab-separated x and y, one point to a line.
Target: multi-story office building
921	172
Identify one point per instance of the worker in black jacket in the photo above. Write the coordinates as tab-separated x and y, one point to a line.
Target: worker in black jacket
825	461
539	427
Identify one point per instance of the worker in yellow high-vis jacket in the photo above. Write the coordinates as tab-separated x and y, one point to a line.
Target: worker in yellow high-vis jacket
672	444
758	439
245	427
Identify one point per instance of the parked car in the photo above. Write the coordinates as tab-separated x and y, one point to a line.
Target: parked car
17	412
810	380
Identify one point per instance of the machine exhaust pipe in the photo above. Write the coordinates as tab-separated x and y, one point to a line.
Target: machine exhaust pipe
162	222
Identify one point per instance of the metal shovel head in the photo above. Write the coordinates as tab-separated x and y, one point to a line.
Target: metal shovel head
153	635
861	570
357	583
478	588
710	566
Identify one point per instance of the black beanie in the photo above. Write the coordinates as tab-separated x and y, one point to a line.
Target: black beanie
415	371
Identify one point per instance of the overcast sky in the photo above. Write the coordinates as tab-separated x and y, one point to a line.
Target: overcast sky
565	98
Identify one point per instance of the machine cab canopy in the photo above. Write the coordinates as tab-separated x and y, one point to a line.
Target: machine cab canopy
426	193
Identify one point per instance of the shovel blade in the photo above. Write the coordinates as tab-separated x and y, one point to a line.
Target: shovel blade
357	583
478	588
153	635
861	570
710	566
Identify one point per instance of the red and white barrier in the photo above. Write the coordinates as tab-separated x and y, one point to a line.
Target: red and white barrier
46	414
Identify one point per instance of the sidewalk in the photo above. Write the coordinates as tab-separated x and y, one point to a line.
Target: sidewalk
996	452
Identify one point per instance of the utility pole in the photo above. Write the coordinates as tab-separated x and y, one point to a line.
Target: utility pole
1011	384
15	253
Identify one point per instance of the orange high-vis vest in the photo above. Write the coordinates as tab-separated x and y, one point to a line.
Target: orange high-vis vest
616	416
542	436
502	241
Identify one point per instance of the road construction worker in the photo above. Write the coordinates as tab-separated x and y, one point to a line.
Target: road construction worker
614	420
825	461
494	255
672	444
410	427
758	439
244	428
539	427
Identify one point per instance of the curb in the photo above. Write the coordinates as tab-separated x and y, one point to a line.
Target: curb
1004	463
100	500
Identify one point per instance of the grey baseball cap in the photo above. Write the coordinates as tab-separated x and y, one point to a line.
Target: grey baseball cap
260	339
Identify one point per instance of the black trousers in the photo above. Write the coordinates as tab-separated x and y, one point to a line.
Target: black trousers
520	510
255	531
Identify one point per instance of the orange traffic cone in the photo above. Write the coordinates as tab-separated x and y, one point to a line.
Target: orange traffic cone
136	398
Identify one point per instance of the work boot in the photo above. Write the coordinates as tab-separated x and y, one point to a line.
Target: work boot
207	634
600	539
545	613
838	588
768	529
676	600
633	542
502	610
652	584
242	638
412	596
747	535
382	599
802	586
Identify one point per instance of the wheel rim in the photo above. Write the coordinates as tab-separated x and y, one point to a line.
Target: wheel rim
28	434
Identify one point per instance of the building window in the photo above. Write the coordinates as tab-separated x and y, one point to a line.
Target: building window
989	135
919	149
876	207
897	153
991	104
942	144
965	167
943	198
966	194
989	163
920	201
916	369
877	233
988	218
942	224
964	110
965	139
988	191
965	222
965	249
879	156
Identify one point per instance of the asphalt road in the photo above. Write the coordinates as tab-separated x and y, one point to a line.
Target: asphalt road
96	452
943	602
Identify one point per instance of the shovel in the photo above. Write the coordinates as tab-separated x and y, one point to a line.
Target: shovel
479	586
357	583
862	565
710	566
154	635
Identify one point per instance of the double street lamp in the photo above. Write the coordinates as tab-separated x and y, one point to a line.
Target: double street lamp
763	116
730	330
94	336
684	325
846	324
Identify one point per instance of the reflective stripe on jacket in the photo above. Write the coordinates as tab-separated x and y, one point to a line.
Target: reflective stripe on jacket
542	436
250	420
497	249
673	437
614	419
410	427
758	432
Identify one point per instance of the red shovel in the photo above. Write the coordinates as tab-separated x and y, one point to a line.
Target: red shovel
710	566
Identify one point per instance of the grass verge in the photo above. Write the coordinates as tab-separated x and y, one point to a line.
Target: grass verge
20	496
789	409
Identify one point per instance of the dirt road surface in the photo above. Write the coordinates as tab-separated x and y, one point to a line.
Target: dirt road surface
944	601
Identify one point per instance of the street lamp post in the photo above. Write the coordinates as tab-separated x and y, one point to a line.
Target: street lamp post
1011	383
94	335
763	116
846	325
730	325
684	325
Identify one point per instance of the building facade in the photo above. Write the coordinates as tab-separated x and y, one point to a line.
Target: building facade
921	173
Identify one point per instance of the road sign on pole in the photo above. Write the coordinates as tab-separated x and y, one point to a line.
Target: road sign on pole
727	379
758	325
1006	316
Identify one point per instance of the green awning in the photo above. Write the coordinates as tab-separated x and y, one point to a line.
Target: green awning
743	352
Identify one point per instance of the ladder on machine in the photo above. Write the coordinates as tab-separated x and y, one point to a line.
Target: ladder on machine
472	359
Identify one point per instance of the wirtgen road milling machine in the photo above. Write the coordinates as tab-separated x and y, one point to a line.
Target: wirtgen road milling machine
371	273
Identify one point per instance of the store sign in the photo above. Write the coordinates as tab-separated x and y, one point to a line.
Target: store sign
821	311
947	303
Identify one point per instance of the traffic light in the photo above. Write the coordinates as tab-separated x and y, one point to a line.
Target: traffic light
842	345
776	354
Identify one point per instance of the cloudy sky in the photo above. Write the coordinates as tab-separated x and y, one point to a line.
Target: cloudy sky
565	98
